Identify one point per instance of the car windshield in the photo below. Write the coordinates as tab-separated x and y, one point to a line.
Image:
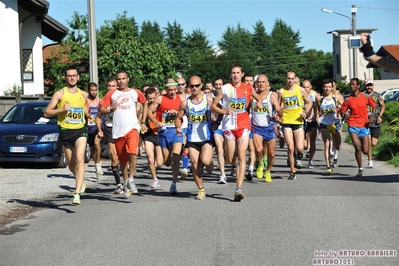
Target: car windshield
28	114
395	95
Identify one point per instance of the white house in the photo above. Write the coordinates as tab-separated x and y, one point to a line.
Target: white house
22	24
343	61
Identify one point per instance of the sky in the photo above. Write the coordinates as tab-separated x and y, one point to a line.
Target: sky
214	16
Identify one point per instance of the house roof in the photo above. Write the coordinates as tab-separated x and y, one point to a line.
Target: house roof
345	31
51	28
390	51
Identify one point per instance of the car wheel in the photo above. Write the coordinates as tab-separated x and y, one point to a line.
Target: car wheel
63	161
87	153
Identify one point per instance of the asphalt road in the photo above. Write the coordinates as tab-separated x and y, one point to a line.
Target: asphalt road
299	222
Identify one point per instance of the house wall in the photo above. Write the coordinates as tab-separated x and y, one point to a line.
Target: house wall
343	61
31	32
383	85
9	45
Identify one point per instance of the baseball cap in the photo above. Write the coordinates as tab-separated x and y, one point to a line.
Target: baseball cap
369	81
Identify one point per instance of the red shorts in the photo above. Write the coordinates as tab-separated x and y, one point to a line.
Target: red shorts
236	133
127	145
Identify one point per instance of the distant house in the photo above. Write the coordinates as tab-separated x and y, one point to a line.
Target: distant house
388	80
22	24
343	67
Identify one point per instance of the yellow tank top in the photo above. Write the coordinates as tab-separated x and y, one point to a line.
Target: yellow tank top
293	103
74	118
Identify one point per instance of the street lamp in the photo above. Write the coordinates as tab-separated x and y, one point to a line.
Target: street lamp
353	29
92	42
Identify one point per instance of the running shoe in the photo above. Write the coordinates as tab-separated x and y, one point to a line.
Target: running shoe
155	184
335	163
329	171
76	199
132	187
173	189
298	164
184	173
99	172
259	171
310	165
360	173
370	164
223	179
249	175
201	194
307	155
268	177
234	171
264	161
119	189
83	188
300	155
238	195
292	176
209	168
126	192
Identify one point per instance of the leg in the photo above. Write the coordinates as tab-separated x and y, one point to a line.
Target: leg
219	142
289	139
150	152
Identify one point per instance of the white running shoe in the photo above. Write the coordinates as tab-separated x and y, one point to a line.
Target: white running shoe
184	173
370	165
155	184
223	179
132	187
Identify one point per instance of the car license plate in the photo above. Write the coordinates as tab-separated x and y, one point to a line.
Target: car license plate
18	149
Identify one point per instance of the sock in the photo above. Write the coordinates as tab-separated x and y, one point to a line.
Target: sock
251	168
185	160
130	179
125	182
115	171
335	154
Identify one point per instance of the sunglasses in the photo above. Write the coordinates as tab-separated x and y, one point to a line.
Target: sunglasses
369	85
195	85
181	84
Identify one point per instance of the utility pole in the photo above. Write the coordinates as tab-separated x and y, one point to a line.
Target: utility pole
354	11
92	42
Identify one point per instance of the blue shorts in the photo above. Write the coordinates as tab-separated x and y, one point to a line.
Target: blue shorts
361	131
267	133
218	132
167	137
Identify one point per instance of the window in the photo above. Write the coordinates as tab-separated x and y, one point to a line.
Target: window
338	62
27	61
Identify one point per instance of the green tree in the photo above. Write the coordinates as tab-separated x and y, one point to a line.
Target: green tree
316	67
236	48
74	50
285	54
151	32
174	39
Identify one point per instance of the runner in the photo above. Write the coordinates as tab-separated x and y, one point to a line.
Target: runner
357	103
264	134
125	104
166	107
291	99
199	133
69	104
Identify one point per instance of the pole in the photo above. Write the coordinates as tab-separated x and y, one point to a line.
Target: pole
354	10
92	43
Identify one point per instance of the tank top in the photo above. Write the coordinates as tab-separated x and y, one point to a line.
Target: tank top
198	120
93	110
328	111
262	117
166	105
237	99
74	118
375	96
293	106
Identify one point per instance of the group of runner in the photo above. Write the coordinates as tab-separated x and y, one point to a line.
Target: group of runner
185	120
